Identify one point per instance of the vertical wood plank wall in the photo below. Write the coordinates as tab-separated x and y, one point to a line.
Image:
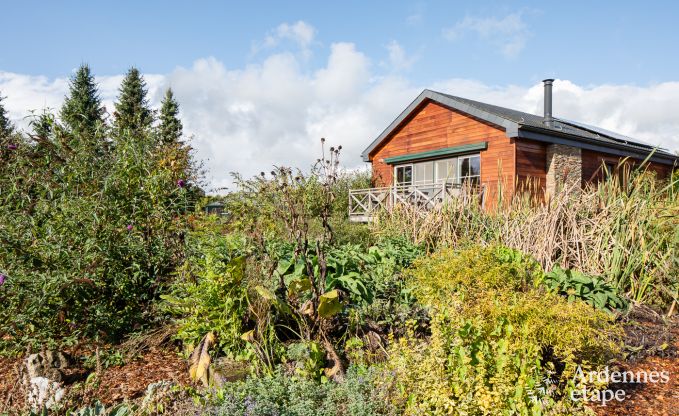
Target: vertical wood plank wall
434	127
592	161
531	165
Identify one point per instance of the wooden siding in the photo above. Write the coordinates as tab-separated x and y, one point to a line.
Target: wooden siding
592	161
531	164
434	126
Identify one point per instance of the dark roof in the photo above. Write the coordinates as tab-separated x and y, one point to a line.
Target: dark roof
521	124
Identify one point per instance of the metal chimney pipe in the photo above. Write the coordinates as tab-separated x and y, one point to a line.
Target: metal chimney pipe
547	118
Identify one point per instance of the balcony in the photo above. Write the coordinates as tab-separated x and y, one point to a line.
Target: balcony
364	204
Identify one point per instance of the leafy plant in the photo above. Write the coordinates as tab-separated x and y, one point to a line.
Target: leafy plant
357	395
591	289
493	338
210	292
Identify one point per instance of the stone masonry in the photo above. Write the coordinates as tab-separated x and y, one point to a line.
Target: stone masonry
564	167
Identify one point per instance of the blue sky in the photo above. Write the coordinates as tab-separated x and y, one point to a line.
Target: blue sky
588	42
260	82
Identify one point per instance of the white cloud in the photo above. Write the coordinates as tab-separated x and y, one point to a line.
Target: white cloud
398	58
300	33
275	112
509	33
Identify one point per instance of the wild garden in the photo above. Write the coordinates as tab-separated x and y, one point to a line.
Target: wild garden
113	274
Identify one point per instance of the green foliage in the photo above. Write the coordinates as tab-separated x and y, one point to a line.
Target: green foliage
6	127
107	358
309	359
210	292
351	268
283	395
590	289
88	235
132	110
495	335
98	409
623	231
82	112
170	129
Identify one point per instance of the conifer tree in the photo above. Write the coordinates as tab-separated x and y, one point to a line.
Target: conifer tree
82	111
170	129
132	110
6	127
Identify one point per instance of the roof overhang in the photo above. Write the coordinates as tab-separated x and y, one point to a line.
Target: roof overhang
534	133
510	127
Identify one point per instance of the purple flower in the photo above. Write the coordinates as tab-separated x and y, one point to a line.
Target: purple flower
129	227
2	279
12	147
181	183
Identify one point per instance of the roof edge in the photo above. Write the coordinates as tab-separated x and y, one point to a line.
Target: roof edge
510	127
618	149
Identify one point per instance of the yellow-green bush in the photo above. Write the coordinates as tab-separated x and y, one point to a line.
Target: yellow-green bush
496	335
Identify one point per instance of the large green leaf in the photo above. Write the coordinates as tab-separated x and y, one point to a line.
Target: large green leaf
329	304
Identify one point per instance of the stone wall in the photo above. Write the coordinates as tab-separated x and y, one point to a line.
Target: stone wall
564	167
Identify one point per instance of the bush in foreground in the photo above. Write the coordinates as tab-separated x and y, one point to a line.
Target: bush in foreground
497	335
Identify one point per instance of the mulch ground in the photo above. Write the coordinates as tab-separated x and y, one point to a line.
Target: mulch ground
131	380
657	349
113	384
654	347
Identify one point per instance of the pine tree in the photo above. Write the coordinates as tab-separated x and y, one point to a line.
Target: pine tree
82	111
132	109
170	129
6	127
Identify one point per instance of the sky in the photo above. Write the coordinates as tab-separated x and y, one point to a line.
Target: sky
260	82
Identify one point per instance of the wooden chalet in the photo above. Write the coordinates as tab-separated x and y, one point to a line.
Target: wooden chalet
441	145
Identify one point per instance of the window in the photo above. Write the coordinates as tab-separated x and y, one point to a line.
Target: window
424	173
404	175
452	170
445	171
470	169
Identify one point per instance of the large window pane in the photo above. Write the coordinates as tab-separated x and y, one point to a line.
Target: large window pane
408	175
470	169
445	170
475	166
419	172
464	167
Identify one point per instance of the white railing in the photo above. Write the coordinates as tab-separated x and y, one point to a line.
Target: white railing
365	203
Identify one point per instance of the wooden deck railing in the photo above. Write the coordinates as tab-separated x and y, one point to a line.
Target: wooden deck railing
365	203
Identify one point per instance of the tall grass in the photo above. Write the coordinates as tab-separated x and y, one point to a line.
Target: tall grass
624	229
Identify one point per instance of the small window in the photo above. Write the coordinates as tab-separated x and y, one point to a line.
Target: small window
404	175
470	169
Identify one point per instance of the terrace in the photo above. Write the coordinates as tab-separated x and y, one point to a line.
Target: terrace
365	204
